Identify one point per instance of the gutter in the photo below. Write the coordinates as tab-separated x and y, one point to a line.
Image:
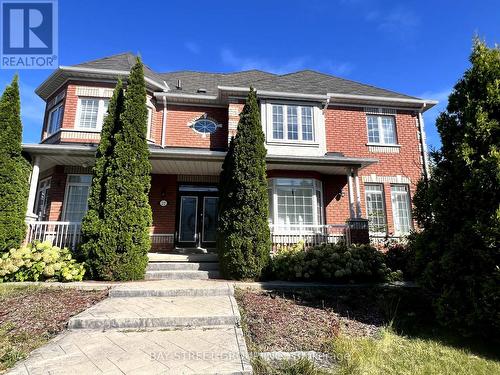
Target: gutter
425	103
185	96
423	142
275	94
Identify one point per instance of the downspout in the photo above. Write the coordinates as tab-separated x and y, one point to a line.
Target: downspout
164	123
423	142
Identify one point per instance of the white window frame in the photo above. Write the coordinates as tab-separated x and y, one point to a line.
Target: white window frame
57	108
397	231
317	211
381	131
150	122
43	186
66	191
383	206
285	139
101	113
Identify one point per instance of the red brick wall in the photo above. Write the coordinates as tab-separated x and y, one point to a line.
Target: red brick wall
346	132
178	134
163	187
56	192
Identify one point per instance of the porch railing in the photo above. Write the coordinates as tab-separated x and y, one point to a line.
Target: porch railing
311	235
68	234
59	233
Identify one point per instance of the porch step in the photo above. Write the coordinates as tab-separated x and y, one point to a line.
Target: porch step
183	266
172	288
154	312
181	275
161	257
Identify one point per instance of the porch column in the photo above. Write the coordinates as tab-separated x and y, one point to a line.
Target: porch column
351	194
358	194
30	214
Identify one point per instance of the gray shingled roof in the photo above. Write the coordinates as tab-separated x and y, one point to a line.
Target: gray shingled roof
304	81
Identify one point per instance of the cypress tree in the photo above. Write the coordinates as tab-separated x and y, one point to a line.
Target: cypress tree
14	170
459	208
119	249
93	250
243	237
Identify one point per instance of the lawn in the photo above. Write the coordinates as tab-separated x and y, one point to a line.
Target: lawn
363	331
32	315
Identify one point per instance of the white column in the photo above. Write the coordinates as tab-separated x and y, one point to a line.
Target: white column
351	194
358	194
30	214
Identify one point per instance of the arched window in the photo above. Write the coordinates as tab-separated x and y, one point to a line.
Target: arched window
205	126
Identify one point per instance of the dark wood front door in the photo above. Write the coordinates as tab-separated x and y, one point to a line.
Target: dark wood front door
197	216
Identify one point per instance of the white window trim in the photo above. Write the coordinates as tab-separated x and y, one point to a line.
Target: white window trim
383	204
66	190
408	200
49	119
150	122
192	123
285	141
381	131
100	114
317	186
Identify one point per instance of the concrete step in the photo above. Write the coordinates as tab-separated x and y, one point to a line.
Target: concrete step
181	275
163	257
182	266
172	288
158	312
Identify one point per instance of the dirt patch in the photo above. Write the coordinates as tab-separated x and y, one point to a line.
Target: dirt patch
276	323
29	316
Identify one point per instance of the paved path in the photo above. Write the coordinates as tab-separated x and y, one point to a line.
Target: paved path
157	327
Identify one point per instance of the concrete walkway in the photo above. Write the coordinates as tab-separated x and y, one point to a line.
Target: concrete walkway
156	327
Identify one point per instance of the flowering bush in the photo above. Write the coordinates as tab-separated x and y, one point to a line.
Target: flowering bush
40	261
332	263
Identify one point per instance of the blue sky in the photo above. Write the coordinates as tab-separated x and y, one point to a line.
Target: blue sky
415	47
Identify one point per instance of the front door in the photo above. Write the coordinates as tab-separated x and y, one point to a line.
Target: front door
197	216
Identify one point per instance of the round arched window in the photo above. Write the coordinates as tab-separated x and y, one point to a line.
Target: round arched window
205	126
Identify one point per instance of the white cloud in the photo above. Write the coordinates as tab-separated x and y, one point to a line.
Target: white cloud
229	58
192	47
399	22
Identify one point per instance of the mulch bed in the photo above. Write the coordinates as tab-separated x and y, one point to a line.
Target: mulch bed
45	310
276	323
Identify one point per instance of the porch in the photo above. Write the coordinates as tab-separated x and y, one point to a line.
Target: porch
312	199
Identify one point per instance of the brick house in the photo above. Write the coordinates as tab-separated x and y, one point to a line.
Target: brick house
339	152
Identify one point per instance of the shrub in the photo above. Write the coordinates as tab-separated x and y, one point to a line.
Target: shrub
243	237
332	263
40	261
400	256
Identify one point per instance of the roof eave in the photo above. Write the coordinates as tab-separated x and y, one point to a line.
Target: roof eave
273	94
420	104
63	73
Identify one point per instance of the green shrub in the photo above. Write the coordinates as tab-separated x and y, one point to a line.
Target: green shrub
400	256
40	261
331	263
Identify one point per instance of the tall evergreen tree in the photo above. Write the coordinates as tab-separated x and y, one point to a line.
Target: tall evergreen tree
97	254
120	250
243	237
14	170
459	208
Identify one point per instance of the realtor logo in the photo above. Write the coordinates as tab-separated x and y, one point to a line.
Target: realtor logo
28	34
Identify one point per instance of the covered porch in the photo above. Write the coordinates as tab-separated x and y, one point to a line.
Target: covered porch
312	199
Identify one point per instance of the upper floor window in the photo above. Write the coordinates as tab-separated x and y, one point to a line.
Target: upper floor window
91	113
381	129
292	122
205	126
150	122
54	120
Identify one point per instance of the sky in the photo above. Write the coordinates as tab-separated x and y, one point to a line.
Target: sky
418	48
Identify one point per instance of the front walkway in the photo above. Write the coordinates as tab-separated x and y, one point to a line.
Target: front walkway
156	327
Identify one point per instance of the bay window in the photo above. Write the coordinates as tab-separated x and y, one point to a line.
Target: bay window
401	209
381	129
76	197
91	113
292	123
295	204
54	119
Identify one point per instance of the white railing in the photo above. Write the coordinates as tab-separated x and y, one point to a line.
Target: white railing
59	233
311	235
381	239
68	234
